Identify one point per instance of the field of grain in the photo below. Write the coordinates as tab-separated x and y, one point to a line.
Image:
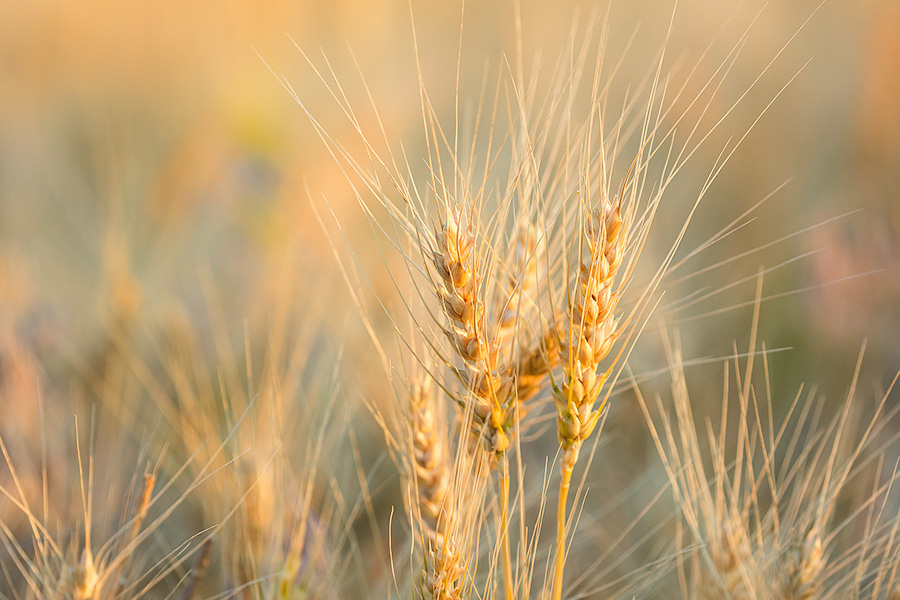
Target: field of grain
449	300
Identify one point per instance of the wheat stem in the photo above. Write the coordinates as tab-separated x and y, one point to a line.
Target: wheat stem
570	457
200	566
504	529
140	513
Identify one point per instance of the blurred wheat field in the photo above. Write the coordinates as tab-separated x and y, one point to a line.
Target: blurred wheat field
363	300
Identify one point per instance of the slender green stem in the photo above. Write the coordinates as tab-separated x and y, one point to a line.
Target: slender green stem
566	468
504	529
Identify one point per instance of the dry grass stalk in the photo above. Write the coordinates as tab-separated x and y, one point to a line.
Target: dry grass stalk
140	513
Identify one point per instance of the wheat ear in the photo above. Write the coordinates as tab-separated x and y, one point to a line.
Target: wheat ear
522	281
429	458
441	576
455	260
588	339
532	367
591	328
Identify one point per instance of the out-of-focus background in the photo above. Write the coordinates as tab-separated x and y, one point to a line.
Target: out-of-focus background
144	143
152	165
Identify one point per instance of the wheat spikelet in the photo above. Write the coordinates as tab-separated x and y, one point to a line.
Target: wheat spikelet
80	581
442	573
533	367
802	570
732	560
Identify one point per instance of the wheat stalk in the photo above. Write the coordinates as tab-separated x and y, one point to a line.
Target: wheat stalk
492	410
588	338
